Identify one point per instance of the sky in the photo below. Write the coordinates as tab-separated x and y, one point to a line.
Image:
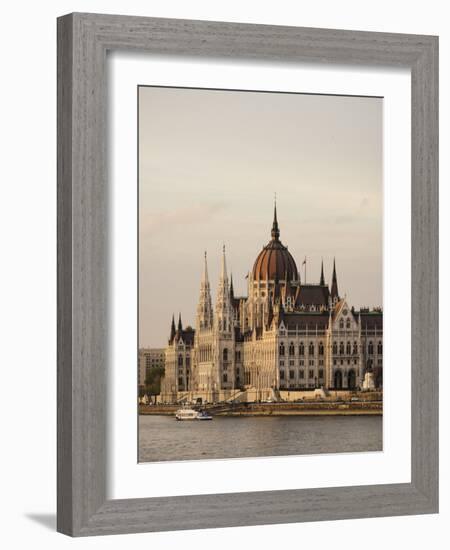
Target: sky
210	162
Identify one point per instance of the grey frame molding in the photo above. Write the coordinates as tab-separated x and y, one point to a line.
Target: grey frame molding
83	41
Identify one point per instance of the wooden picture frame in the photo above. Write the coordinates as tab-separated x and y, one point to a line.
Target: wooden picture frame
83	41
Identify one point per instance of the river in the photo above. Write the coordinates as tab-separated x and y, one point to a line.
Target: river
163	438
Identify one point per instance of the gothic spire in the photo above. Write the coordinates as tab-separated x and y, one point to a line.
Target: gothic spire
322	278
334	285
223	274
180	325
231	287
204	308
172	329
275	230
224	314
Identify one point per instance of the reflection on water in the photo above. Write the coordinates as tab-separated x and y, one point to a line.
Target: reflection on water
163	438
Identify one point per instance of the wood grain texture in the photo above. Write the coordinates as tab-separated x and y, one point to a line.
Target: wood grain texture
83	319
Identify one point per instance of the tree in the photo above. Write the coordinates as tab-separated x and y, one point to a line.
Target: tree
153	380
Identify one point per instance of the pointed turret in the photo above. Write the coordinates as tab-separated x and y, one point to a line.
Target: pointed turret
322	278
224	312
334	285
231	287
204	308
180	324
172	330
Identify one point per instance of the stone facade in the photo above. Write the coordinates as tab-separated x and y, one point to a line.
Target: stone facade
284	335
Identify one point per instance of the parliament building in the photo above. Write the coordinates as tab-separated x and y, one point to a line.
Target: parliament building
285	336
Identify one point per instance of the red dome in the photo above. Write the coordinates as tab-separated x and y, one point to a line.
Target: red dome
275	262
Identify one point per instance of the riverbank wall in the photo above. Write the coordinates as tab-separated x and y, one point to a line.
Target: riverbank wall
278	409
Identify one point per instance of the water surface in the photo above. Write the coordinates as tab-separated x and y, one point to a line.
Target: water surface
163	438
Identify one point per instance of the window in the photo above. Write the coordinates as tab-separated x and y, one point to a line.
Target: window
281	363
311	374
355	348
335	348
341	348
349	348
320	348
180	360
341	324
281	374
225	377
188	362
370	348
291	374
291	349
301	374
311	362
225	354
320	373
334	362
320	361
238	356
301	349
291	363
311	348
180	381
380	348
347	324
281	348
301	362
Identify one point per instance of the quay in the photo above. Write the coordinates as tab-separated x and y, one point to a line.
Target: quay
325	408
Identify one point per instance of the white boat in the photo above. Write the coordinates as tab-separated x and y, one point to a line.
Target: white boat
186	414
191	414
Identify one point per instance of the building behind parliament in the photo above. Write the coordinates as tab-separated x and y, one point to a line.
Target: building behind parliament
284	335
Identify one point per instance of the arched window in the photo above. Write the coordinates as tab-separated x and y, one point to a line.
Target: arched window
311	348
355	348
341	324
351	379
291	349
225	354
301	349
338	380
380	348
349	348
320	348
281	348
225	377
370	348
347	324
180	360
335	348
341	348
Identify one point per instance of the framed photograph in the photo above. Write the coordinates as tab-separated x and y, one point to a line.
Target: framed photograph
247	274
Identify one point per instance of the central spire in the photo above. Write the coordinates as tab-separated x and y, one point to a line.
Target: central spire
275	230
